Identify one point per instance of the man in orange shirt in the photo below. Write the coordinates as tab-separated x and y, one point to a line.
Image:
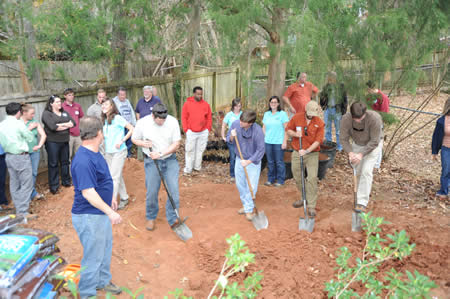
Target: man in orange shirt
311	129
297	95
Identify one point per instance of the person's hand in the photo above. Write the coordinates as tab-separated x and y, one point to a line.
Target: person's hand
284	145
36	148
233	133
118	145
146	144
292	109
32	126
70	124
355	158
435	157
114	217
245	163
302	152
155	155
114	204
224	138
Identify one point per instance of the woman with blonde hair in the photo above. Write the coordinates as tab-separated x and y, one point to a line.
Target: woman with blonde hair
34	147
116	151
441	142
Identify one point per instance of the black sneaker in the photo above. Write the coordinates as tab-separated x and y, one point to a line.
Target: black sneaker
111	288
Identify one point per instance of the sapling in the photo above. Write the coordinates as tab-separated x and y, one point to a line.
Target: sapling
375	252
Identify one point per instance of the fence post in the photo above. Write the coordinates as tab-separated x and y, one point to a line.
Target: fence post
214	90
238	86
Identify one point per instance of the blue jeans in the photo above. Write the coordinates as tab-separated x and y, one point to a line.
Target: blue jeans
169	170
231	148
95	234
275	163
35	157
58	154
3	200
253	170
445	174
330	116
128	143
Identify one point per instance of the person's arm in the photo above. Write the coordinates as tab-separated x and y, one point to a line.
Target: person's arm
48	119
264	129
95	200
284	144
314	90
137	111
138	116
287	99
81	112
375	133
42	138
26	133
209	119
130	129
223	131
257	156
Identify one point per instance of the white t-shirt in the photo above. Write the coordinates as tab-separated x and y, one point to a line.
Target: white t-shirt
160	136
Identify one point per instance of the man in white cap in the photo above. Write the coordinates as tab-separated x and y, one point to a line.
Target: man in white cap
308	126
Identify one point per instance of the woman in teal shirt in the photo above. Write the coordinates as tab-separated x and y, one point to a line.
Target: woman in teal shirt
274	124
116	151
34	146
231	116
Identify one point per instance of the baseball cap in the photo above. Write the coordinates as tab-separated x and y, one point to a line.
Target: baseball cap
312	108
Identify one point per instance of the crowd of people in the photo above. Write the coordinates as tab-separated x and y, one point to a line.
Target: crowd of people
89	151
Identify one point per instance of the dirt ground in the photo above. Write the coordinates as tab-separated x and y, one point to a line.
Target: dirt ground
295	264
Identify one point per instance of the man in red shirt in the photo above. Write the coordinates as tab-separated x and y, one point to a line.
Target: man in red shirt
379	101
76	112
297	95
311	129
196	119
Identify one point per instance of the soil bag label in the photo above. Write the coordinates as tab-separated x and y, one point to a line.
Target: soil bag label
15	253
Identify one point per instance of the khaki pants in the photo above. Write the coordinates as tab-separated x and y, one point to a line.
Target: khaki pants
311	163
364	172
115	163
74	144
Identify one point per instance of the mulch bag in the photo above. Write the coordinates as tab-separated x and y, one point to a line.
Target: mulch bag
46	292
15	253
9	221
45	239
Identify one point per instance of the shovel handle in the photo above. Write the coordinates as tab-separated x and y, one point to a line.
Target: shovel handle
245	170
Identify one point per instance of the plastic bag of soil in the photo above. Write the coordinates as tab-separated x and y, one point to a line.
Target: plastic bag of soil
33	279
45	239
15	253
46	292
9	221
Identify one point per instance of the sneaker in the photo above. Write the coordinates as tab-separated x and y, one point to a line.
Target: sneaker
312	212
39	196
277	185
297	204
55	191
150	225
187	173
233	179
267	183
241	211
111	288
122	204
441	195
249	216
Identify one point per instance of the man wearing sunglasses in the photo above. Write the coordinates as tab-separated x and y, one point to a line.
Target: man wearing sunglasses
159	136
365	129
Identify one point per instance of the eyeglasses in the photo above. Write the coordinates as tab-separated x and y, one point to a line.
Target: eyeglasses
274	102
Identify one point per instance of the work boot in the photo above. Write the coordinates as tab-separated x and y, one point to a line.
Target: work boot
122	204
312	212
241	211
250	216
150	225
111	288
298	204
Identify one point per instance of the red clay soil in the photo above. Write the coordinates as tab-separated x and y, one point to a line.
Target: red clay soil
295	264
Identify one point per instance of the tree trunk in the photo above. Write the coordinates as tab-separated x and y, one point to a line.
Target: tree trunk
194	28
277	65
118	43
216	44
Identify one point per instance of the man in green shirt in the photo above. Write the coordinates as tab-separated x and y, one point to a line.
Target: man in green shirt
14	138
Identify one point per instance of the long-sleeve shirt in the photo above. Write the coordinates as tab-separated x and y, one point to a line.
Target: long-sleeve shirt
381	103
367	133
251	141
196	115
50	121
14	136
438	135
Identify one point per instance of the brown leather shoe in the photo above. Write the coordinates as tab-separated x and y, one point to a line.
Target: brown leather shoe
150	225
241	211
312	212
297	204
249	216
175	224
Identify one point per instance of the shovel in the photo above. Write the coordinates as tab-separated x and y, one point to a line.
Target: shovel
305	223
181	229
260	220
356	215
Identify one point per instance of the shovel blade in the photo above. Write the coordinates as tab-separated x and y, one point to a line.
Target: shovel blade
183	231
260	220
356	221
306	224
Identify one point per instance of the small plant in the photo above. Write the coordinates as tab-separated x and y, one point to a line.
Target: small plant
237	259
377	251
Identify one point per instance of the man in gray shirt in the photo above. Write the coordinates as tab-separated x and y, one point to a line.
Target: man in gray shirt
96	108
365	129
126	110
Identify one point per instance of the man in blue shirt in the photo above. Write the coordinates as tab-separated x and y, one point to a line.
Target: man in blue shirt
126	111
93	210
145	105
251	141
